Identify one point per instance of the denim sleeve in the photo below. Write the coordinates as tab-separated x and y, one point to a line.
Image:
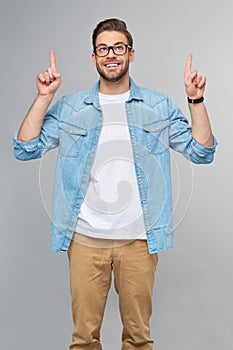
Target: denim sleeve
181	139
47	140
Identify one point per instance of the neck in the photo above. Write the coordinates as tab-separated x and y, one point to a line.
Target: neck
114	88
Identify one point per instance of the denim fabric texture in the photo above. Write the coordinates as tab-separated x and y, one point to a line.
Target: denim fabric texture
74	124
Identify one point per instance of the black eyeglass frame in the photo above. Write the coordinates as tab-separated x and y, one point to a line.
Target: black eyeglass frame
111	47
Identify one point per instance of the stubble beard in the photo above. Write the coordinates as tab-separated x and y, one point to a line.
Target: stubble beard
117	77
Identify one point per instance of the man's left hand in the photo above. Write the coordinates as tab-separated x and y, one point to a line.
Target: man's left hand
193	81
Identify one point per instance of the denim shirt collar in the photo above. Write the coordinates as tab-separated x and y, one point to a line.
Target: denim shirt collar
93	98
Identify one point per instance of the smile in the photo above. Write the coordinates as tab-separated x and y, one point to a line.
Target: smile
111	65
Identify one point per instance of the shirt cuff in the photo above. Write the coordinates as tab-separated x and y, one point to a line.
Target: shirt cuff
205	149
28	146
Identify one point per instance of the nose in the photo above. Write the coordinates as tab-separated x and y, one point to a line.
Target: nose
110	51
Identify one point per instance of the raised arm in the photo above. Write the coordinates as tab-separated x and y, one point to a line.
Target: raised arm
195	87
47	84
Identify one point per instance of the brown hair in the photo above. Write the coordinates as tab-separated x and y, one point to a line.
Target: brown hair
111	24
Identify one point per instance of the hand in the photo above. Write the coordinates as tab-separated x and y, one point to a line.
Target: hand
193	81
49	81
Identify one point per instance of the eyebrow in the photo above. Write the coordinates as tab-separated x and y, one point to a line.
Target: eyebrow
118	42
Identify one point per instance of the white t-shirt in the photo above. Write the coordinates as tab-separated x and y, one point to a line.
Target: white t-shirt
111	208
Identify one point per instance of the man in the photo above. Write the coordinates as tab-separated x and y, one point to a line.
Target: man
112	197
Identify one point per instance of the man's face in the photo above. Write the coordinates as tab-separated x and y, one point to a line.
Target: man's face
112	67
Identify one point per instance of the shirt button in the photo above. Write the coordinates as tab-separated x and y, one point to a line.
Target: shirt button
132	133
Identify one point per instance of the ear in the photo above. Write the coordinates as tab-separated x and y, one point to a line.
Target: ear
131	55
93	58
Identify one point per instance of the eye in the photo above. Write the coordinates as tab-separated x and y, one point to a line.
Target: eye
102	49
119	48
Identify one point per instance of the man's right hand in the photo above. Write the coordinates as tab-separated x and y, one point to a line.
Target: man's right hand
47	84
49	81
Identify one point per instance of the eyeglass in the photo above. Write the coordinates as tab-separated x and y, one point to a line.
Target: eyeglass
118	49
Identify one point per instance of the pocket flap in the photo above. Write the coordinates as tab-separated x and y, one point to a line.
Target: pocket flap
156	126
72	129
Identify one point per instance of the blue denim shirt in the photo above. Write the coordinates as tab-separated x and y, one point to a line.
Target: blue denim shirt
74	124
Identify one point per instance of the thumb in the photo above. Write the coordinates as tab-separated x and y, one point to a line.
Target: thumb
56	75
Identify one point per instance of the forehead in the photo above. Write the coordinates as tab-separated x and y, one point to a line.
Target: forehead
110	37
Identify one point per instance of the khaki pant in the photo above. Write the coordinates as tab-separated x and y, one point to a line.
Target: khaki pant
90	279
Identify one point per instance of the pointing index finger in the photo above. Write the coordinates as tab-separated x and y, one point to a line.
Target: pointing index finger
189	64
53	60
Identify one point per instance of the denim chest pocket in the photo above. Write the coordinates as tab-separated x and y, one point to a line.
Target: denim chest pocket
156	136
71	139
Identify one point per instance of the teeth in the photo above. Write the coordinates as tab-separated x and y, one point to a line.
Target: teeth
112	65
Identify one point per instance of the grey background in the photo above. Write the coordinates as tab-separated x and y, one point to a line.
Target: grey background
193	306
